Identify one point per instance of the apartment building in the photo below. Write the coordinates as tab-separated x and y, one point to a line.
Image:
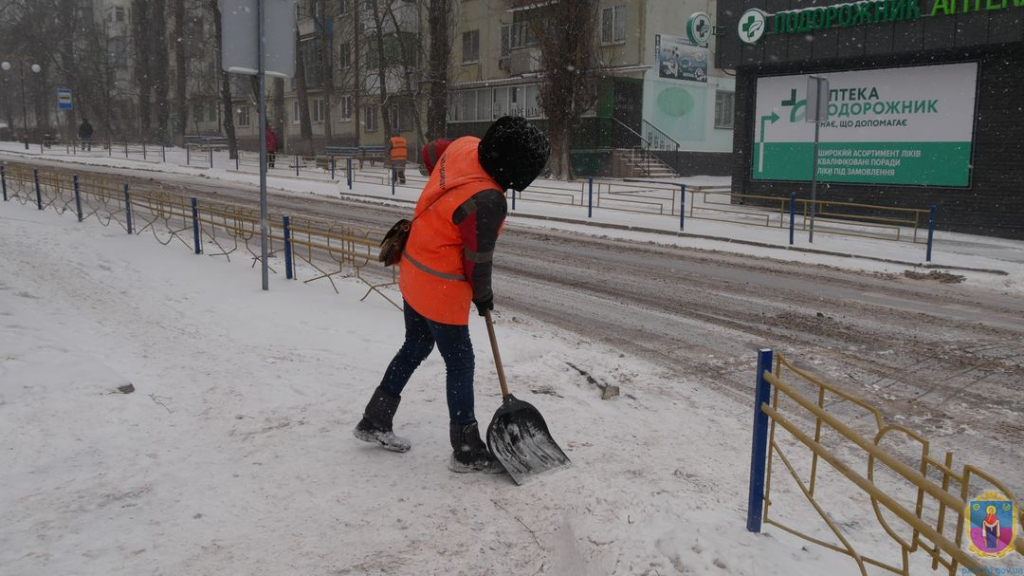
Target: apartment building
657	90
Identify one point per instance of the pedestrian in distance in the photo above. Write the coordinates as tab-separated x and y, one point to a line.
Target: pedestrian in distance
445	269
85	134
399	156
272	142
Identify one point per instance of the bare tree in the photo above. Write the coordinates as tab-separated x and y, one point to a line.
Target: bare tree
180	70
442	26
228	119
142	22
302	93
160	65
565	32
325	68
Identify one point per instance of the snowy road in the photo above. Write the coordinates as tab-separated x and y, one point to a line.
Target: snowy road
940	358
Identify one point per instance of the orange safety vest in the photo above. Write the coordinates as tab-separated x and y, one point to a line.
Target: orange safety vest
432	278
399	153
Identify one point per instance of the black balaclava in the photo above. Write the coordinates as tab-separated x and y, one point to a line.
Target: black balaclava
514	152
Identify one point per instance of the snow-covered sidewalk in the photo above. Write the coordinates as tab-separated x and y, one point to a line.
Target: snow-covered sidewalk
234	454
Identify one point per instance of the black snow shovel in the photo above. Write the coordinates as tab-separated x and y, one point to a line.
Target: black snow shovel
518	436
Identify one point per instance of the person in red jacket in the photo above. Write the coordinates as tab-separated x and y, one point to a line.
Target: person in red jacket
272	141
445	269
432	152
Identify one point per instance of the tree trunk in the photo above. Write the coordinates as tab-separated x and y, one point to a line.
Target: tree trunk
228	119
179	65
160	65
439	21
142	22
305	125
326	71
382	68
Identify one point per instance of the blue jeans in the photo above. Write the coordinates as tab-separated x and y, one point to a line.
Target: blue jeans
453	341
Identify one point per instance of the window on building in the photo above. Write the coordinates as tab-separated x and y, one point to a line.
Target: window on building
499	103
515	102
119	14
531	102
725	107
370	118
346	108
506	40
471	46
312	57
243	116
523	24
317	110
117	51
342	6
345	55
296	115
613	25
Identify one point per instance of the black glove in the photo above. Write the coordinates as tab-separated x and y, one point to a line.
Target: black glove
482	306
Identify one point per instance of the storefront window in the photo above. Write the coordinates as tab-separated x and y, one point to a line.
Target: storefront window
725	105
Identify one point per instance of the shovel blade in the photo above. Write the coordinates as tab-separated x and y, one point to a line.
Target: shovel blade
519	438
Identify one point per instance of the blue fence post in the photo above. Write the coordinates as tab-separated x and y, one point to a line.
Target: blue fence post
41	147
237	154
144	150
682	206
126	149
128	208
3	182
792	216
332	168
188	155
211	157
513	199
393	177
296	165
163	153
39	192
348	172
288	248
195	226
78	197
590	198
110	147
758	451
932	210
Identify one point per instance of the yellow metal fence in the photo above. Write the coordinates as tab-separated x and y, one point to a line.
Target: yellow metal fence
918	500
323	249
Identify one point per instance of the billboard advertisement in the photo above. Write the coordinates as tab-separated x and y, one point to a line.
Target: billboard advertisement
893	126
677	59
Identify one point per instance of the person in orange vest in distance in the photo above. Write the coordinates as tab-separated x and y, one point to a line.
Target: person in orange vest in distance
446	268
399	155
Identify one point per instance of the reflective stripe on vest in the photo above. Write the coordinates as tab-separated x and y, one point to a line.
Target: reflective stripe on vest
429	270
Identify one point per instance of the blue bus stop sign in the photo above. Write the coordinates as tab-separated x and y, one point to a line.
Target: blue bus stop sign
64	101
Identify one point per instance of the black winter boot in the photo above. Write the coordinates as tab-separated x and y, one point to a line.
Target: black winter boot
469	453
376	423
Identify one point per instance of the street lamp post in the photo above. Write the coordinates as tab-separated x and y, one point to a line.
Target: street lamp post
36	68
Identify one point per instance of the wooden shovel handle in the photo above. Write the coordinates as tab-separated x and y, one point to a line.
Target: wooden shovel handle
497	355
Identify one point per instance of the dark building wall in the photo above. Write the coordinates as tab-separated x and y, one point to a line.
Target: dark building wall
993	204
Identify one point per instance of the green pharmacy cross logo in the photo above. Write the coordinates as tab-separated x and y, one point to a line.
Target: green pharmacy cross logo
699	29
751	26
